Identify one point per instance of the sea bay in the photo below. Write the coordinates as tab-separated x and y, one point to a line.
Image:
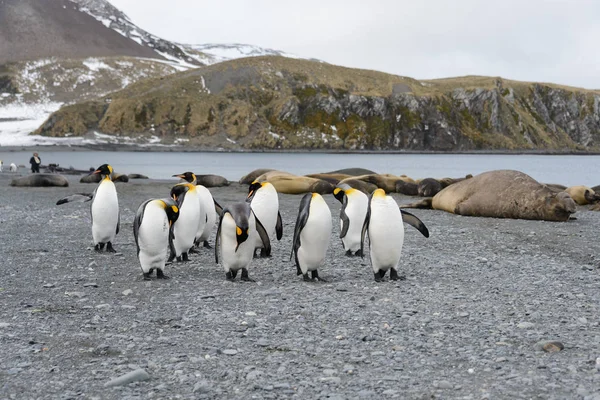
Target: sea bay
563	169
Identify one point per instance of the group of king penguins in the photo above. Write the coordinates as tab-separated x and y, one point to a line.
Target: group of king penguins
178	224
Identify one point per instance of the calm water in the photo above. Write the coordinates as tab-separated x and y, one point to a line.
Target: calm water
567	170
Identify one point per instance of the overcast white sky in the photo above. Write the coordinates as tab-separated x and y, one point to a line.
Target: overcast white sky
547	41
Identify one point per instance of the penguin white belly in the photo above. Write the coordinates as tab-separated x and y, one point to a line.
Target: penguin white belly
208	205
386	234
105	212
231	259
315	236
265	205
356	210
186	226
153	238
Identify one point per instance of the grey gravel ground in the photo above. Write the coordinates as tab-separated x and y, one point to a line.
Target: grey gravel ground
480	293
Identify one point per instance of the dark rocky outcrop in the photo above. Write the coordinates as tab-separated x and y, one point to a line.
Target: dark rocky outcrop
278	103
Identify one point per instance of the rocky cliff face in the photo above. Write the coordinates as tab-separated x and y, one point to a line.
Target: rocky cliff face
273	102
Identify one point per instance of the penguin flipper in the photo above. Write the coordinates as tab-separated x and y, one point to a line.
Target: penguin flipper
303	213
365	227
264	236
415	222
76	198
279	226
218	207
344	218
218	238
118	222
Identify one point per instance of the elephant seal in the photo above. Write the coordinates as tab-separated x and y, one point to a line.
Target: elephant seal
596	189
40	180
502	194
386	182
137	176
331	178
363	186
429	187
352	172
96	178
583	195
555	187
284	182
407	188
212	180
251	177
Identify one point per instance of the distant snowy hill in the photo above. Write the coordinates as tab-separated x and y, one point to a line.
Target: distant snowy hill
215	53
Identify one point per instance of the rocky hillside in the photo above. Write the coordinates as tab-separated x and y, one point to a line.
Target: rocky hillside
275	102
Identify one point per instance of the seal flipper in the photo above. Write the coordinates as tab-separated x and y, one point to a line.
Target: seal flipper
300	223
426	203
344	218
264	236
279	226
415	222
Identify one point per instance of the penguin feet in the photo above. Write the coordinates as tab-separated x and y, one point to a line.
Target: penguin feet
245	276
315	276
306	278
231	275
207	245
349	253
264	254
395	277
379	276
193	250
109	248
358	253
99	247
147	276
160	274
183	257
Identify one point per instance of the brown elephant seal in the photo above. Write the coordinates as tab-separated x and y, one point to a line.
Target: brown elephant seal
96	178
116	177
40	180
595	207
387	182
331	178
407	188
429	187
287	183
211	180
502	194
555	187
596	189
352	172
583	195
251	177
357	184
137	176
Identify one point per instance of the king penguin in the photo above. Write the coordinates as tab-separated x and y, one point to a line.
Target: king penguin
105	211
186	226
384	225
264	201
352	216
153	233
237	226
208	216
311	235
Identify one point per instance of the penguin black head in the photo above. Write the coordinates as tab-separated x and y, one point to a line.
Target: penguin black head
104	169
338	193
178	191
187	176
252	189
172	210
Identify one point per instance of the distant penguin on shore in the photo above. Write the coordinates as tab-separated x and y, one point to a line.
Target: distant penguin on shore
384	223
234	248
311	236
13	167
352	216
264	201
153	233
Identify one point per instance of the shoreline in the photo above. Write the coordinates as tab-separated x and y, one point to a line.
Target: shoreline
187	149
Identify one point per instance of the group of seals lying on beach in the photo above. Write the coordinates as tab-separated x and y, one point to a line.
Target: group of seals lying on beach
499	194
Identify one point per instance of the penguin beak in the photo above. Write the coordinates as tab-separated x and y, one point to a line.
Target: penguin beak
96	172
179	176
250	194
